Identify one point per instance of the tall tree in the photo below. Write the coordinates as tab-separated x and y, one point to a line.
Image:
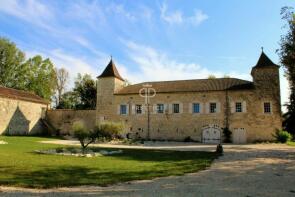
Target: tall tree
41	78
86	89
12	69
287	58
62	77
69	100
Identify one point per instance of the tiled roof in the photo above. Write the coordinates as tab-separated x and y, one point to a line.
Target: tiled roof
21	95
111	71
264	61
196	85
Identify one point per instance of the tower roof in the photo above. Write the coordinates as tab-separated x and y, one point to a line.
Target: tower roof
264	61
111	71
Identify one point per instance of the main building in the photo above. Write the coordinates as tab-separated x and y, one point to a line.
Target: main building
196	109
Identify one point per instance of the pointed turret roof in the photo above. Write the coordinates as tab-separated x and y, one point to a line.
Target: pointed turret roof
264	61
111	71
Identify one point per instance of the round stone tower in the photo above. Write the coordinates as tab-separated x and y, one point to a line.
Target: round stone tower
108	83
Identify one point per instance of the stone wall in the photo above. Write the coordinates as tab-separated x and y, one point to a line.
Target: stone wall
18	117
170	126
63	119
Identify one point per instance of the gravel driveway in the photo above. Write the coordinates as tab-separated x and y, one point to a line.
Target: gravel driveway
245	170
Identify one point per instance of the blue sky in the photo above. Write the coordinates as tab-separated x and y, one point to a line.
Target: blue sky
149	40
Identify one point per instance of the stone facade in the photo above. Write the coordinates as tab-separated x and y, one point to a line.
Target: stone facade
21	117
251	110
62	120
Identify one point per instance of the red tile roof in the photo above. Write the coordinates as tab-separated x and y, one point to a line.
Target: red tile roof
195	85
21	95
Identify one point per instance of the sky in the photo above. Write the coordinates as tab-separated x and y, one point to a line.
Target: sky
149	40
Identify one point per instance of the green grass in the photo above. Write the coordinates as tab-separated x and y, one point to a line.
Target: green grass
21	166
290	143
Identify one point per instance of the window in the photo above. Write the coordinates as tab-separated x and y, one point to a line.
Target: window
138	109
176	108
196	107
239	107
160	108
267	108
123	109
213	108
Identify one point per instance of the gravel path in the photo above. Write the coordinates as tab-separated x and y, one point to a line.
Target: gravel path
244	170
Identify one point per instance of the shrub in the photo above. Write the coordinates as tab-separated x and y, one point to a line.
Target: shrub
282	136
188	139
84	136
109	130
227	135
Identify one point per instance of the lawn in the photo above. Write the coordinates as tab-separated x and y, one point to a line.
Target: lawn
21	166
291	143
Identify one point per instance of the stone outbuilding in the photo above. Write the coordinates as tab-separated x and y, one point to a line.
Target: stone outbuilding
21	112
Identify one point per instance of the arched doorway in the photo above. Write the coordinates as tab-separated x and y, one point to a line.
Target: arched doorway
211	134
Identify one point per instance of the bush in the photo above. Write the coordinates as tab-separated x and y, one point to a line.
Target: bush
282	136
227	135
109	130
188	139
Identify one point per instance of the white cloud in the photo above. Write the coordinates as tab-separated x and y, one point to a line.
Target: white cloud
71	63
199	17
173	17
157	66
177	17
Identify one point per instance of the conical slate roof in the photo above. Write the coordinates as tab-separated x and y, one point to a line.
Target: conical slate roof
264	61
111	71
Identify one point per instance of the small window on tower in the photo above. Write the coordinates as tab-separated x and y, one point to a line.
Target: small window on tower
267	108
123	109
239	107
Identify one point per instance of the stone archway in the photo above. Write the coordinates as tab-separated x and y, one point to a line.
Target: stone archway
211	134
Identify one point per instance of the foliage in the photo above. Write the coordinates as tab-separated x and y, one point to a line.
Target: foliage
282	136
84	136
41	77
290	143
188	139
68	100
21	166
109	130
62	77
287	58
36	74
12	70
85	87
211	77
227	135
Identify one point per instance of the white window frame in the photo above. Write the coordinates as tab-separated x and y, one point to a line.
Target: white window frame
193	107
215	111
157	108
236	108
125	109
141	109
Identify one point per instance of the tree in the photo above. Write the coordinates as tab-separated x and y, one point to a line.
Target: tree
211	77
35	74
11	65
69	100
287	59
41	78
85	87
62	77
106	130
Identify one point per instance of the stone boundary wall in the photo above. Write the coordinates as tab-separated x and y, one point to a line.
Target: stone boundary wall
63	119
